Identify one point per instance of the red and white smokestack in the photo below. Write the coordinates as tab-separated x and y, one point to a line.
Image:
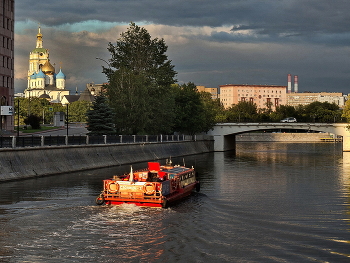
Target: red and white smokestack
296	84
289	83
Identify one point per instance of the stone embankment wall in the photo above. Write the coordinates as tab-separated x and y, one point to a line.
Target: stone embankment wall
24	163
281	137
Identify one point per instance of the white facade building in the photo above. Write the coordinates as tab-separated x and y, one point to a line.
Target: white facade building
295	99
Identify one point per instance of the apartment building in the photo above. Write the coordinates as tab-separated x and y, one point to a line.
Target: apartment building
295	99
262	95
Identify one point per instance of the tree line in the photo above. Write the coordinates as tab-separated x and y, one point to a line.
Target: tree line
313	112
42	111
196	111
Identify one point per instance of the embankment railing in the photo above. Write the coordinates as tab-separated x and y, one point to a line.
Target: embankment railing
47	141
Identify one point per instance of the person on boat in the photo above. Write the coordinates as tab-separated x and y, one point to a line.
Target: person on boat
152	177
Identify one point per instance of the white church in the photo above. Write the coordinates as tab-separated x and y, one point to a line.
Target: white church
43	82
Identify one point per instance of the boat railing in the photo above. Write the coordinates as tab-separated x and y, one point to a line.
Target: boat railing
130	195
141	190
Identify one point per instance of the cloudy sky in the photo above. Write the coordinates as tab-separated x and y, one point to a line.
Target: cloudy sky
211	43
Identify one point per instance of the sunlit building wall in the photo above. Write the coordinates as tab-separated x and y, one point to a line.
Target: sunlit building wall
213	91
262	95
295	99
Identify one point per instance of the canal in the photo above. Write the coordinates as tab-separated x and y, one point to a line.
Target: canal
269	202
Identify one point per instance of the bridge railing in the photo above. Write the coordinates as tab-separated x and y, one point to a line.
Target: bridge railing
47	141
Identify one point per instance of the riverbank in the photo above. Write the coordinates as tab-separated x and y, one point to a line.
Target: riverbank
25	163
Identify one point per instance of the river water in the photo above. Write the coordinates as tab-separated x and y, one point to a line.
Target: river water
269	202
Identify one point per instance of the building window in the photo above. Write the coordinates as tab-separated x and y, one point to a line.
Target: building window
268	101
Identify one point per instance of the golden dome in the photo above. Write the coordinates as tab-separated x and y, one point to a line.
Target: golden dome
47	68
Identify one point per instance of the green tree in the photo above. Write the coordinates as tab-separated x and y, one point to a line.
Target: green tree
33	121
128	97
140	78
194	112
100	117
213	110
242	111
284	111
268	108
51	109
321	112
37	107
346	111
188	109
78	110
32	106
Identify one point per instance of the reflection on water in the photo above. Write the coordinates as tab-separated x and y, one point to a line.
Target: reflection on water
270	202
345	164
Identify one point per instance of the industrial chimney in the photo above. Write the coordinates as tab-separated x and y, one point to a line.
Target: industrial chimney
296	84
289	83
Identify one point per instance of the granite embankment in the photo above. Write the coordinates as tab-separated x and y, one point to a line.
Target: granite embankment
24	163
282	137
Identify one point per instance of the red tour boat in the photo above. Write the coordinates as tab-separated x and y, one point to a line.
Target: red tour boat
156	186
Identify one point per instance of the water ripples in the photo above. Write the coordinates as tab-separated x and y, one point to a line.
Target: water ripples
265	204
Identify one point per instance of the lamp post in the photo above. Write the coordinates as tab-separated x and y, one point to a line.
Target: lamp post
2	101
18	117
67	118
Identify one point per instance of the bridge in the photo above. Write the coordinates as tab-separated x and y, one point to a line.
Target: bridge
224	133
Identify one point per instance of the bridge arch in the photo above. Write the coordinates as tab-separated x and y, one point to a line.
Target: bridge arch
224	133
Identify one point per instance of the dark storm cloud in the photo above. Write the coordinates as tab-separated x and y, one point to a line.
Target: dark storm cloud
271	17
210	42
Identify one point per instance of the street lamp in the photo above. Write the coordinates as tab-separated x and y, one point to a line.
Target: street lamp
104	61
18	117
67	120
